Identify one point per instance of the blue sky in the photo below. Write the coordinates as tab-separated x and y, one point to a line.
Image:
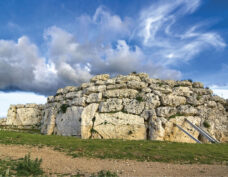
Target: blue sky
48	44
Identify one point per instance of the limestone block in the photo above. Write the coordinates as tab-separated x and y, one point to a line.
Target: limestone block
110	81
50	99
121	93
48	121
118	126
219	99
85	85
59	98
133	106
187	110
69	123
70	89
201	91
94	89
111	105
3	121
24	116
151	100
87	120
124	79
71	95
166	111
102	77
94	98
184	83
136	85
161	129
211	104
79	101
60	91
182	91
161	87
148	114
117	86
100	82
197	85
172	100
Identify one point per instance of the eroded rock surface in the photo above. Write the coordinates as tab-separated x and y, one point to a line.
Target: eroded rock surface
129	107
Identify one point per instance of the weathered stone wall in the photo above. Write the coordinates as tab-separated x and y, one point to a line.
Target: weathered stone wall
134	107
24	116
2	121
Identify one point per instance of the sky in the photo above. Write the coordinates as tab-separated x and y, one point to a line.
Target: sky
49	44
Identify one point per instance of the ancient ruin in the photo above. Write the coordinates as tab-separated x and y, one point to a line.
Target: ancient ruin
133	107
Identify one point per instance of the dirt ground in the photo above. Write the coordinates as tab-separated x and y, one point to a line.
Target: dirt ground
55	162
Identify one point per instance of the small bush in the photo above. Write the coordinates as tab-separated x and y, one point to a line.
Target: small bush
198	97
28	167
104	174
139	98
134	72
175	115
190	80
63	108
206	124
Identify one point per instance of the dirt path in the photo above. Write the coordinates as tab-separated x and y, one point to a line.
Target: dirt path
58	162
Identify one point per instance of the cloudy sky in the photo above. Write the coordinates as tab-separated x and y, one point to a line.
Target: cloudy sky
48	44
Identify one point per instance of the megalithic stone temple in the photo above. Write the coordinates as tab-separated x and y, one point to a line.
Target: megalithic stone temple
133	107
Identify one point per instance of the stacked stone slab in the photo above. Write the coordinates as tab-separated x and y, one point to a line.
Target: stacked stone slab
24	116
134	107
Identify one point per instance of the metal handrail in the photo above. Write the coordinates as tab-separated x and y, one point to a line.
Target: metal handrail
203	132
196	140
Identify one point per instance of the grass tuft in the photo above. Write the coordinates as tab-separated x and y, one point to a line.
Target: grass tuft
206	124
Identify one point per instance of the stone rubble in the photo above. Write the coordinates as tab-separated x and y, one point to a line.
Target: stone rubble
128	107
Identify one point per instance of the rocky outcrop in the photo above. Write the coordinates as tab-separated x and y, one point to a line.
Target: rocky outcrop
24	116
129	107
135	107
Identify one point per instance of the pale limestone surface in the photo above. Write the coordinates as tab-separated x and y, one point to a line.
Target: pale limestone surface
129	107
24	115
68	123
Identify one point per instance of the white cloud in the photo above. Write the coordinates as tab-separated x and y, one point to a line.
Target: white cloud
160	30
102	43
221	91
18	98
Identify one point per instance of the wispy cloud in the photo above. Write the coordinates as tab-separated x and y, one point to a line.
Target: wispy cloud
160	30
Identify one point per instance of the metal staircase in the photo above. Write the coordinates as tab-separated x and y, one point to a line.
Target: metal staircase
203	132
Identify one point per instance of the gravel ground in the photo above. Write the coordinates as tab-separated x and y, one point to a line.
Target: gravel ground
55	162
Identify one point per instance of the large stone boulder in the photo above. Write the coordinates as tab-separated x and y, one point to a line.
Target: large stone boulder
24	115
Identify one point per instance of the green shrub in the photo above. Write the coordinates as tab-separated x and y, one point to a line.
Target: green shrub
175	115
27	166
104	174
190	80
198	97
206	124
139	99
63	108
